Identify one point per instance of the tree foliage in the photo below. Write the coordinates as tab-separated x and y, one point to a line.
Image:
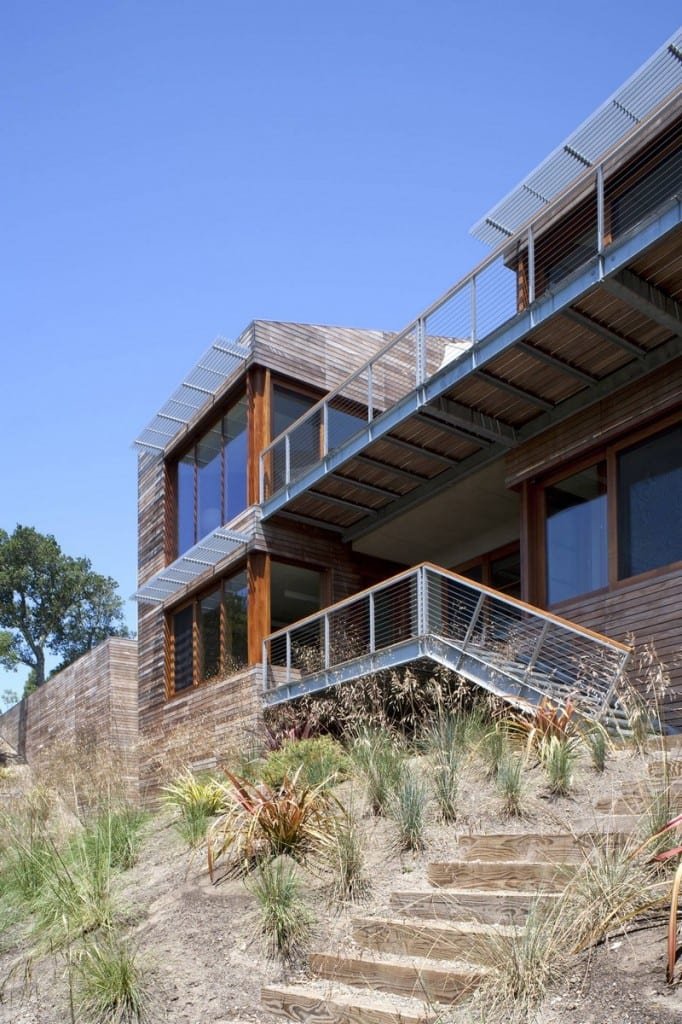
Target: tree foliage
51	603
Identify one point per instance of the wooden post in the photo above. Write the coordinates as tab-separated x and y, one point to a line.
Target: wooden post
258	403
258	574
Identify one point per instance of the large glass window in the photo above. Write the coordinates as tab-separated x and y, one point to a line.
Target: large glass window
304	443
209	636
650	504
211	479
575	534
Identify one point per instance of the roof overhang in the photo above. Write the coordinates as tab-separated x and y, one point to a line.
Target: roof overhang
207	554
631	104
197	392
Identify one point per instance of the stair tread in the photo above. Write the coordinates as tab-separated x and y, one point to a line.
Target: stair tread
371	1006
420	963
438	924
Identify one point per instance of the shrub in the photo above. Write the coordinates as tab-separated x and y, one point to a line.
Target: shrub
263	822
319	761
443	742
408	810
109	988
285	920
380	760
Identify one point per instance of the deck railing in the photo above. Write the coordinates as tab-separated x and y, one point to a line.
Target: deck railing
503	644
528	266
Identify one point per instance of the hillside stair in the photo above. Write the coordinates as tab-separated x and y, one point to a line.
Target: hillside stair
428	951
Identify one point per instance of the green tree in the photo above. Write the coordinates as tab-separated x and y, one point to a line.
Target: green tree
51	603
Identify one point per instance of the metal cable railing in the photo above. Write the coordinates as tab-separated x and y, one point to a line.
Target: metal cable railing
600	208
505	645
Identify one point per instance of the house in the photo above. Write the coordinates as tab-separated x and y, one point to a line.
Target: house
497	487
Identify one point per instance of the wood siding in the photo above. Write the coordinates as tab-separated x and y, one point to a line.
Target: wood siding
645	401
648	608
91	703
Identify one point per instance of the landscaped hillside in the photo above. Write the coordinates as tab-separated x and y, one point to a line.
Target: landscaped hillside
347	888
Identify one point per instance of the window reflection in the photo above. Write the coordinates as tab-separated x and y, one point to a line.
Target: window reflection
211	478
576	534
650	504
209	637
183	671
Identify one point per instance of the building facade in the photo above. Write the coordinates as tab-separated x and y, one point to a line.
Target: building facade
524	432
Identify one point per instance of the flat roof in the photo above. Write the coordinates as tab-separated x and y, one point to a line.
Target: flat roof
655	80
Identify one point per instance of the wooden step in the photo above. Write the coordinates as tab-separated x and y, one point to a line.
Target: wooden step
315	1004
508	876
639	798
487	906
418	977
665	767
557	848
607	824
439	940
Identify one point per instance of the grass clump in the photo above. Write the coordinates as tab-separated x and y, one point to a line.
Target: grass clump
511	786
198	798
344	858
379	759
408	810
285	921
494	749
318	761
596	741
523	962
108	984
443	744
558	757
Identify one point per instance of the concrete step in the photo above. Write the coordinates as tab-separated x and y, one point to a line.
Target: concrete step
418	977
317	1003
438	940
486	906
506	876
554	848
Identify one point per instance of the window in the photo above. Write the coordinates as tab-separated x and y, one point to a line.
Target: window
575	534
303	447
209	636
500	569
211	478
650	504
615	519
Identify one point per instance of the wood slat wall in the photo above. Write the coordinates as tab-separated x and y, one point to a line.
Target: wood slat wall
658	393
92	702
647	609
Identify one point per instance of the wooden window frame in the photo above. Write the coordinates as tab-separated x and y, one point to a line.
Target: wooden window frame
194	603
535	512
202	429
486	559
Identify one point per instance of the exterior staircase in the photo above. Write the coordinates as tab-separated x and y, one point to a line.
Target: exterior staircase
521	653
429	949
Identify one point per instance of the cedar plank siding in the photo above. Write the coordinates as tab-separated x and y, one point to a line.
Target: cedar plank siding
92	702
648	608
200	726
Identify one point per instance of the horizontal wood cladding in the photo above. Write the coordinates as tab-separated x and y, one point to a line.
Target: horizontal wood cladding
321	356
657	394
152	525
199	729
650	610
92	702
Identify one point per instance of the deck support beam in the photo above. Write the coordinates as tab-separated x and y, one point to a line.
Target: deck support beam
648	299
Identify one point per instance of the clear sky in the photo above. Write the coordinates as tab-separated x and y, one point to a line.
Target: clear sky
172	170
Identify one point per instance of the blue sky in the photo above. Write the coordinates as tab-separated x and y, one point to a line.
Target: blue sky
173	170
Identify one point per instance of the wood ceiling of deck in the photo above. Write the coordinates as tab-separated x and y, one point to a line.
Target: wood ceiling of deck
574	352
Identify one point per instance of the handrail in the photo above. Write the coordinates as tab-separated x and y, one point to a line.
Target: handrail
516	651
593	178
449	574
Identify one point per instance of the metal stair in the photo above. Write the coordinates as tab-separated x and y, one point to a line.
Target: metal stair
521	653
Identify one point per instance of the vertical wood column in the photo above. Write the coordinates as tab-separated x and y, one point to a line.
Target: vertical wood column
532	546
258	402
258	575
